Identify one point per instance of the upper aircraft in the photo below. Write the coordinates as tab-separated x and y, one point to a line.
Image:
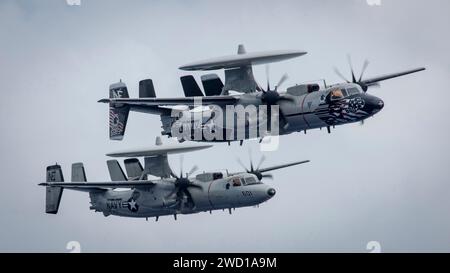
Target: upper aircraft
242	105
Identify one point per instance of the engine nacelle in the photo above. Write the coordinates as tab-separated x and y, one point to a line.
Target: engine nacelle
302	89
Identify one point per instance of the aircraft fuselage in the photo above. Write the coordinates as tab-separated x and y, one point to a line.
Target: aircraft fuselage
225	193
336	105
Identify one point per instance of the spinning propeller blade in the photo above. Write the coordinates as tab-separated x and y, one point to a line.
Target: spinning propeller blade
373	82
272	97
181	185
259	171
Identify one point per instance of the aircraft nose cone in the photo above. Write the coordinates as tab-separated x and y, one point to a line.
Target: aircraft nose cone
271	192
380	104
372	104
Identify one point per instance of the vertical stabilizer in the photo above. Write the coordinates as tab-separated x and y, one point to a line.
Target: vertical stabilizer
146	89
212	84
78	173
190	86
115	171
118	114
134	168
53	194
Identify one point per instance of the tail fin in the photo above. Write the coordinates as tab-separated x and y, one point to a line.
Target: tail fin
53	194
134	168
212	84
190	86
115	171
118	114
146	89
78	173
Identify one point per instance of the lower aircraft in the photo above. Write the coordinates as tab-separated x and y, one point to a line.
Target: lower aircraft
134	195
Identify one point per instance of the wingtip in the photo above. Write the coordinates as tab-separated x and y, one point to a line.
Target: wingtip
206	146
418	69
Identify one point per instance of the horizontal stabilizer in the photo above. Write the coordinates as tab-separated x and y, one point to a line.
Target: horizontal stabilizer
98	185
158	102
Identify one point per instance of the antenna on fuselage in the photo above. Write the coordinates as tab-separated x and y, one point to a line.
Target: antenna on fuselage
241	49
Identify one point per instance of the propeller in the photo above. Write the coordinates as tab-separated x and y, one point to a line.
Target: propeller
254	170
360	81
182	184
272	97
260	172
372	82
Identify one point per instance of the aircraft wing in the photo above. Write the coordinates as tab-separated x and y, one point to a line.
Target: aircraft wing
188	101
258	172
261	170
375	80
98	185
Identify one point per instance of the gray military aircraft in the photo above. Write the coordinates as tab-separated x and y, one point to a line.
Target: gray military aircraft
171	194
300	108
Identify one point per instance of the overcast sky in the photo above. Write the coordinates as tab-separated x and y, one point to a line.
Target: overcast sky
386	181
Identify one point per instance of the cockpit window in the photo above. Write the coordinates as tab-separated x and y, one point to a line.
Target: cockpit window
250	180
217	176
243	182
338	94
352	91
236	182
